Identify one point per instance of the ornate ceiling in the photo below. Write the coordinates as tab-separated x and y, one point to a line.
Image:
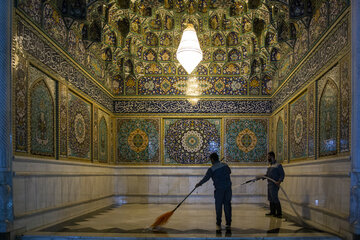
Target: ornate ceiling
249	46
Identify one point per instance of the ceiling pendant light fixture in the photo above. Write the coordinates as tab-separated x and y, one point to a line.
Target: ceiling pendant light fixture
189	53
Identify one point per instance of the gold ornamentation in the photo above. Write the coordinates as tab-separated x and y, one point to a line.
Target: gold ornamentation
246	140
138	140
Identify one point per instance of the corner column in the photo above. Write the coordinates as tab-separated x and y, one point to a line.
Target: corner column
355	121
6	202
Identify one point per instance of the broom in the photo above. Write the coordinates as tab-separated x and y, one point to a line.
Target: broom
164	218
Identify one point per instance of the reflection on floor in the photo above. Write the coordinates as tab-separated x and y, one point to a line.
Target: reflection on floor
189	221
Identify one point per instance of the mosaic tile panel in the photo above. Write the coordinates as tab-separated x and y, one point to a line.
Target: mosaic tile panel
311	120
41	120
177	85
112	141
280	140
319	23
286	132
298	128
32	8
345	104
130	85
138	141
79	127
328	120
103	140
336	7
54	25
331	46
39	49
63	120
96	134
20	105
191	141
246	140
183	106
301	44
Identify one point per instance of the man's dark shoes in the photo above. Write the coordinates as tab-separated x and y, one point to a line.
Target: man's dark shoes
228	231
218	229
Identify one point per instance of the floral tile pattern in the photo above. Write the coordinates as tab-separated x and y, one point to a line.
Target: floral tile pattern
191	141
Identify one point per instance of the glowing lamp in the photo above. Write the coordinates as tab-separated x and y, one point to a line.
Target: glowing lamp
189	53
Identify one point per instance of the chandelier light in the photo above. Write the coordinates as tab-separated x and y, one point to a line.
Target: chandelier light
189	53
193	90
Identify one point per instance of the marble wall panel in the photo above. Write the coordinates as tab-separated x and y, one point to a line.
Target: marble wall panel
246	140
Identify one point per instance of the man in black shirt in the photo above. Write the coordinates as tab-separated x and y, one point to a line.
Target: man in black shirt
220	174
276	172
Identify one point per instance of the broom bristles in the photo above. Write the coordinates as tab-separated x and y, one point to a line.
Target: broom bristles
162	219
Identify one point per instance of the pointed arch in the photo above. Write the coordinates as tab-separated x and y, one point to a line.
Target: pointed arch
328	118
42	119
280	140
103	140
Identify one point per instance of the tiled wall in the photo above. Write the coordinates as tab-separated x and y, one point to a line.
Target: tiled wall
311	132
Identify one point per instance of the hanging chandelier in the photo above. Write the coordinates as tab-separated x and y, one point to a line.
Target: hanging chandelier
189	53
193	90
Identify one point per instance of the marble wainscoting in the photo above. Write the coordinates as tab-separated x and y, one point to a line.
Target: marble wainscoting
319	190
50	191
160	184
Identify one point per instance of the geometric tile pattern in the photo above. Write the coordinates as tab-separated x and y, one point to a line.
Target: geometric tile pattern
63	120
246	140
177	85
311	120
286	132
79	127
332	45
280	140
345	104
103	140
41	50
20	99
138	141
96	133
191	141
42	120
54	24
298	127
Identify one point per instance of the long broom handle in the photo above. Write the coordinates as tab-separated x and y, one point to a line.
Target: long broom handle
184	199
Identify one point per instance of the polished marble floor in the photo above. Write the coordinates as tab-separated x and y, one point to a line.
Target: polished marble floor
195	221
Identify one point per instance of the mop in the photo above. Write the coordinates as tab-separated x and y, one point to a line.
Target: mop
164	218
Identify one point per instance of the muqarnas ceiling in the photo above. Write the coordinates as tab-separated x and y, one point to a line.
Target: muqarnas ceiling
249	46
